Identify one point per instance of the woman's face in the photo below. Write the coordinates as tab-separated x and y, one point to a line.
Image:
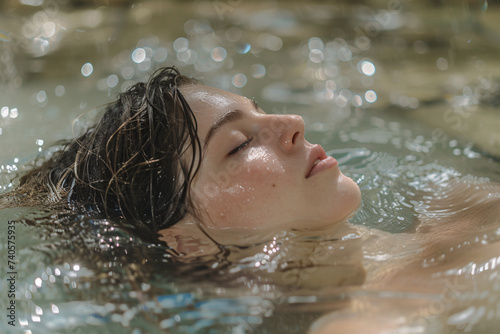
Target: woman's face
257	170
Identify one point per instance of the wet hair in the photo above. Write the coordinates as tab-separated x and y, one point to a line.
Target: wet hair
135	163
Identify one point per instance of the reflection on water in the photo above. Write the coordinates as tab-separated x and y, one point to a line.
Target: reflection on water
359	74
92	274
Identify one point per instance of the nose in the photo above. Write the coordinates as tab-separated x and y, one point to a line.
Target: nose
292	131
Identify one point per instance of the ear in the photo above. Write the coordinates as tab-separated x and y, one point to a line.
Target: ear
187	239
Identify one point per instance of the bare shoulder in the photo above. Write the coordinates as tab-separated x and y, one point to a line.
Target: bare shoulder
460	205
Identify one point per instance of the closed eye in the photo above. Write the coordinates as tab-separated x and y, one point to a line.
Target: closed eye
241	146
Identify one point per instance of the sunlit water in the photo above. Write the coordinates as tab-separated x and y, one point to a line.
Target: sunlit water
80	274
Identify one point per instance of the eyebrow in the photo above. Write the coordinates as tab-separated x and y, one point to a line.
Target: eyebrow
230	116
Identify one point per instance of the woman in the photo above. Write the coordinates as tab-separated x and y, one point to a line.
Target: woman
173	152
199	167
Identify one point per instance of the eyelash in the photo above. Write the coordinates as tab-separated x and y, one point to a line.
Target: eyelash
241	146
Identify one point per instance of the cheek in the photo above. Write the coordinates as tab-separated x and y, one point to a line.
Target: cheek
242	194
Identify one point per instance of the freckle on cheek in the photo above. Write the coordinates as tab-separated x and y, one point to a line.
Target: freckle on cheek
274	185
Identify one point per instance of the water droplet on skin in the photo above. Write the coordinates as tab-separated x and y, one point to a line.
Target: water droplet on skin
235	190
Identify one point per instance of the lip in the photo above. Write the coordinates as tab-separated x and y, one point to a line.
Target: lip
317	152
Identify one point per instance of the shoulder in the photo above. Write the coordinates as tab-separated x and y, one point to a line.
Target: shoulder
460	205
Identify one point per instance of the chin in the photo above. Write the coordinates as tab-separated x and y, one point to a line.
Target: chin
352	194
348	200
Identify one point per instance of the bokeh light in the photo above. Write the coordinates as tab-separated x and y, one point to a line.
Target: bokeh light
370	96
367	68
239	80
139	55
87	69
219	54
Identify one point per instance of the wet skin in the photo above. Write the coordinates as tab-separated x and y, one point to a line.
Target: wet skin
256	176
255	169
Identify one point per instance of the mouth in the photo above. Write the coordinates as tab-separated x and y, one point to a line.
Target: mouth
318	161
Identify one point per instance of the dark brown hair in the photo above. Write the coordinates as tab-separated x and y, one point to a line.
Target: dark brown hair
135	163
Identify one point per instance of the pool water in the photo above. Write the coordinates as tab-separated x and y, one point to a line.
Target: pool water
363	76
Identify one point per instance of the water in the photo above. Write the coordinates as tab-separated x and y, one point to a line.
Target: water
360	75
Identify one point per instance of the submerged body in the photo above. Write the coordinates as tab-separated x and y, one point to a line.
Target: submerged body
430	271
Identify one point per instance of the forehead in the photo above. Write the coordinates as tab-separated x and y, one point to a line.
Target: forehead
209	104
